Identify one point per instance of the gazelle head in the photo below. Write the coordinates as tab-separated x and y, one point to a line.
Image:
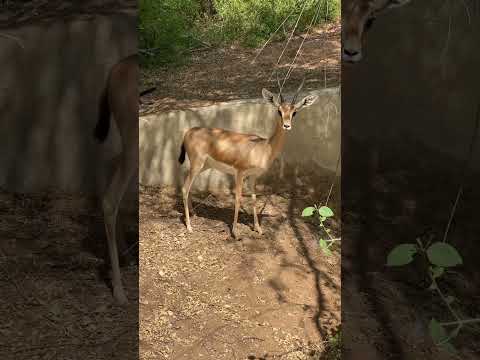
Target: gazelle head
288	109
357	18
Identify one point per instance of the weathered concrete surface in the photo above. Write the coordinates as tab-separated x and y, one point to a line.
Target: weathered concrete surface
314	139
49	93
419	78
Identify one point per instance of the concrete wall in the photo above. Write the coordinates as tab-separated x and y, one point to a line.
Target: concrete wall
49	93
420	77
314	139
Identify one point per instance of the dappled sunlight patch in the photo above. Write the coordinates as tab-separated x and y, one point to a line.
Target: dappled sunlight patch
250	296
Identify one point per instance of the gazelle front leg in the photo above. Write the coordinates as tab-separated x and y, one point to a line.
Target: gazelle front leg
190	205
238	198
254	200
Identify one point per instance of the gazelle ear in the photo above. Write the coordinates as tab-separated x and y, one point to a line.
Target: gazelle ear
270	97
306	101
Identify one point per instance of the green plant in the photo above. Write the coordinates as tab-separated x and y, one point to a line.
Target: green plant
440	256
165	29
253	21
169	29
333	348
323	212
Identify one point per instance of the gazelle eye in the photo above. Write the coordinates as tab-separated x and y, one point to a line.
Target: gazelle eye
294	113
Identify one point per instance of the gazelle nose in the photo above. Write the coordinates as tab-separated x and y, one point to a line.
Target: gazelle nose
350	52
286	126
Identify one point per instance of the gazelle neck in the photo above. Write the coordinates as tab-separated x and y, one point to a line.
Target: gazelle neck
277	140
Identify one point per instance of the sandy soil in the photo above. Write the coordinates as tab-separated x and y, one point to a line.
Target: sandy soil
206	295
56	301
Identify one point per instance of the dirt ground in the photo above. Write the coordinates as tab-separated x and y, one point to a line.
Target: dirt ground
221	74
21	12
207	295
56	301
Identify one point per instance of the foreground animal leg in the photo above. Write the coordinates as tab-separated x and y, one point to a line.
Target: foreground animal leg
111	204
254	201
238	198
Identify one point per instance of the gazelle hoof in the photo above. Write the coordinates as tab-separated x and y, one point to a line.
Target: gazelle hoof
119	296
189	229
235	233
259	229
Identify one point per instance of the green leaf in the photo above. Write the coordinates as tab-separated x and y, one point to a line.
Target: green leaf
437	271
440	337
437	332
308	211
325	211
401	254
323	244
444	255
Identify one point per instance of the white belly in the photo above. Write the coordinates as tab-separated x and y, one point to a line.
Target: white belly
227	169
214	164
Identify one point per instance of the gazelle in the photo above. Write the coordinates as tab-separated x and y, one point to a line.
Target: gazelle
119	98
241	155
357	18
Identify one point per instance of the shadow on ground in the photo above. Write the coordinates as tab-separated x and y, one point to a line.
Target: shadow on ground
206	294
386	311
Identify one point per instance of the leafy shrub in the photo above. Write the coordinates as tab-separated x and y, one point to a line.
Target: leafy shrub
165	28
168	27
252	21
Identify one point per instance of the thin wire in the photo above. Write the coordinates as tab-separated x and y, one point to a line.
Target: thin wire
288	41
317	12
334	178
465	171
271	37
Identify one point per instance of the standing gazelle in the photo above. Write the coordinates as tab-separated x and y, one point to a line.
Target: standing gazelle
357	18
241	155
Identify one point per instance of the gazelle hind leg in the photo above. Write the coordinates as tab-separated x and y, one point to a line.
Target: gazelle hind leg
195	169
111	203
238	198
